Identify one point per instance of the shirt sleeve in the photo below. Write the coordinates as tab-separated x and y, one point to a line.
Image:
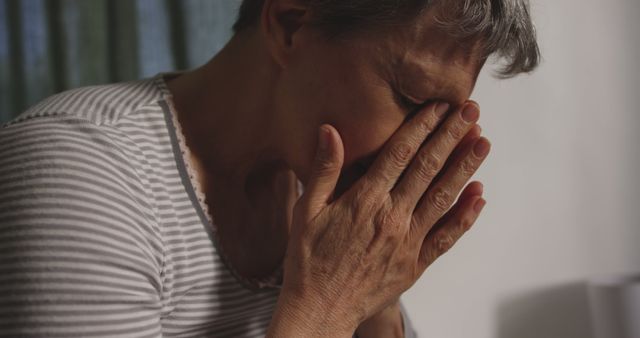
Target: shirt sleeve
78	256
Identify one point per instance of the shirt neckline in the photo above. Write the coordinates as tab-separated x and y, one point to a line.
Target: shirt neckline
191	184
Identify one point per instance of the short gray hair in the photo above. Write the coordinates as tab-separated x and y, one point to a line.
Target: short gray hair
504	26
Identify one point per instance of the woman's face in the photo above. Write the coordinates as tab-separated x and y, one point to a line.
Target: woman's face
367	86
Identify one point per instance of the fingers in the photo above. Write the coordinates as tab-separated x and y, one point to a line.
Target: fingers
432	156
472	190
325	170
471	137
437	200
403	145
450	229
468	139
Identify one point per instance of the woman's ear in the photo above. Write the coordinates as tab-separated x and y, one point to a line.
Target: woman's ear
281	23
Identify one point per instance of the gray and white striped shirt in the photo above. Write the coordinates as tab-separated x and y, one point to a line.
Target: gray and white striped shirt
102	232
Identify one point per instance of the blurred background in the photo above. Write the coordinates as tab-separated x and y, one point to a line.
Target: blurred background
561	182
47	46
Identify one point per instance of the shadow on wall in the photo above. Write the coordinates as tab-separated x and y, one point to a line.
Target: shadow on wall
555	312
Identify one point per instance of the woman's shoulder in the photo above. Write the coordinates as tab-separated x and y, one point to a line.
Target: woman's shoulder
98	104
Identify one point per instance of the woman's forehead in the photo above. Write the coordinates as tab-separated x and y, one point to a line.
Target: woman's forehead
421	58
427	79
424	38
424	57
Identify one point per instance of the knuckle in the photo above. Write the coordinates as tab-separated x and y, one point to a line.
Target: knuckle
467	167
455	131
428	166
388	222
400	154
464	224
364	202
440	199
425	125
443	242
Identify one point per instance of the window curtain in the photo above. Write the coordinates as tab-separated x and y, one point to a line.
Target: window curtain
47	46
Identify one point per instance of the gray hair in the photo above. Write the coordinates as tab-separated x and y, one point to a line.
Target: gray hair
504	26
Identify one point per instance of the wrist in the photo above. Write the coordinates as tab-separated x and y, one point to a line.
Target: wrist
386	323
299	315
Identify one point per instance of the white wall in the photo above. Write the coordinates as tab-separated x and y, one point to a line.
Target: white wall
561	185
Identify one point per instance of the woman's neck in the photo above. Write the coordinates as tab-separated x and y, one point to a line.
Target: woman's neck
238	144
226	111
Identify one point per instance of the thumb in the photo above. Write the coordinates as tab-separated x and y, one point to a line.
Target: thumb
325	170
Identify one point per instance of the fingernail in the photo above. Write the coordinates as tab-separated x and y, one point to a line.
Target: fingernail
481	149
479	205
470	113
441	109
324	139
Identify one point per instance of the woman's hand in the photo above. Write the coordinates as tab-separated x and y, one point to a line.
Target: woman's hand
350	257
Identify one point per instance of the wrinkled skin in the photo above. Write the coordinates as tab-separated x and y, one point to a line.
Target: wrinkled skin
379	205
357	242
350	257
367	85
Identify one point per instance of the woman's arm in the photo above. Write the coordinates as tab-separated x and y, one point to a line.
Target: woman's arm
306	315
78	258
391	322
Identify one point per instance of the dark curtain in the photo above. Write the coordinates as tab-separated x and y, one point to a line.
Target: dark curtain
47	46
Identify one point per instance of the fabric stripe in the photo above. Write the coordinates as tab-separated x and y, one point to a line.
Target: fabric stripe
101	233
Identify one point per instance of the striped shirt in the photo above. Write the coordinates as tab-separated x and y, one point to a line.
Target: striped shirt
103	231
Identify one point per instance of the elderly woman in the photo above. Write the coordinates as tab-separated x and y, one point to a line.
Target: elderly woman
295	185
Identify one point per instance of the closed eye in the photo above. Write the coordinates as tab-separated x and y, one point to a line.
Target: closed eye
406	103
